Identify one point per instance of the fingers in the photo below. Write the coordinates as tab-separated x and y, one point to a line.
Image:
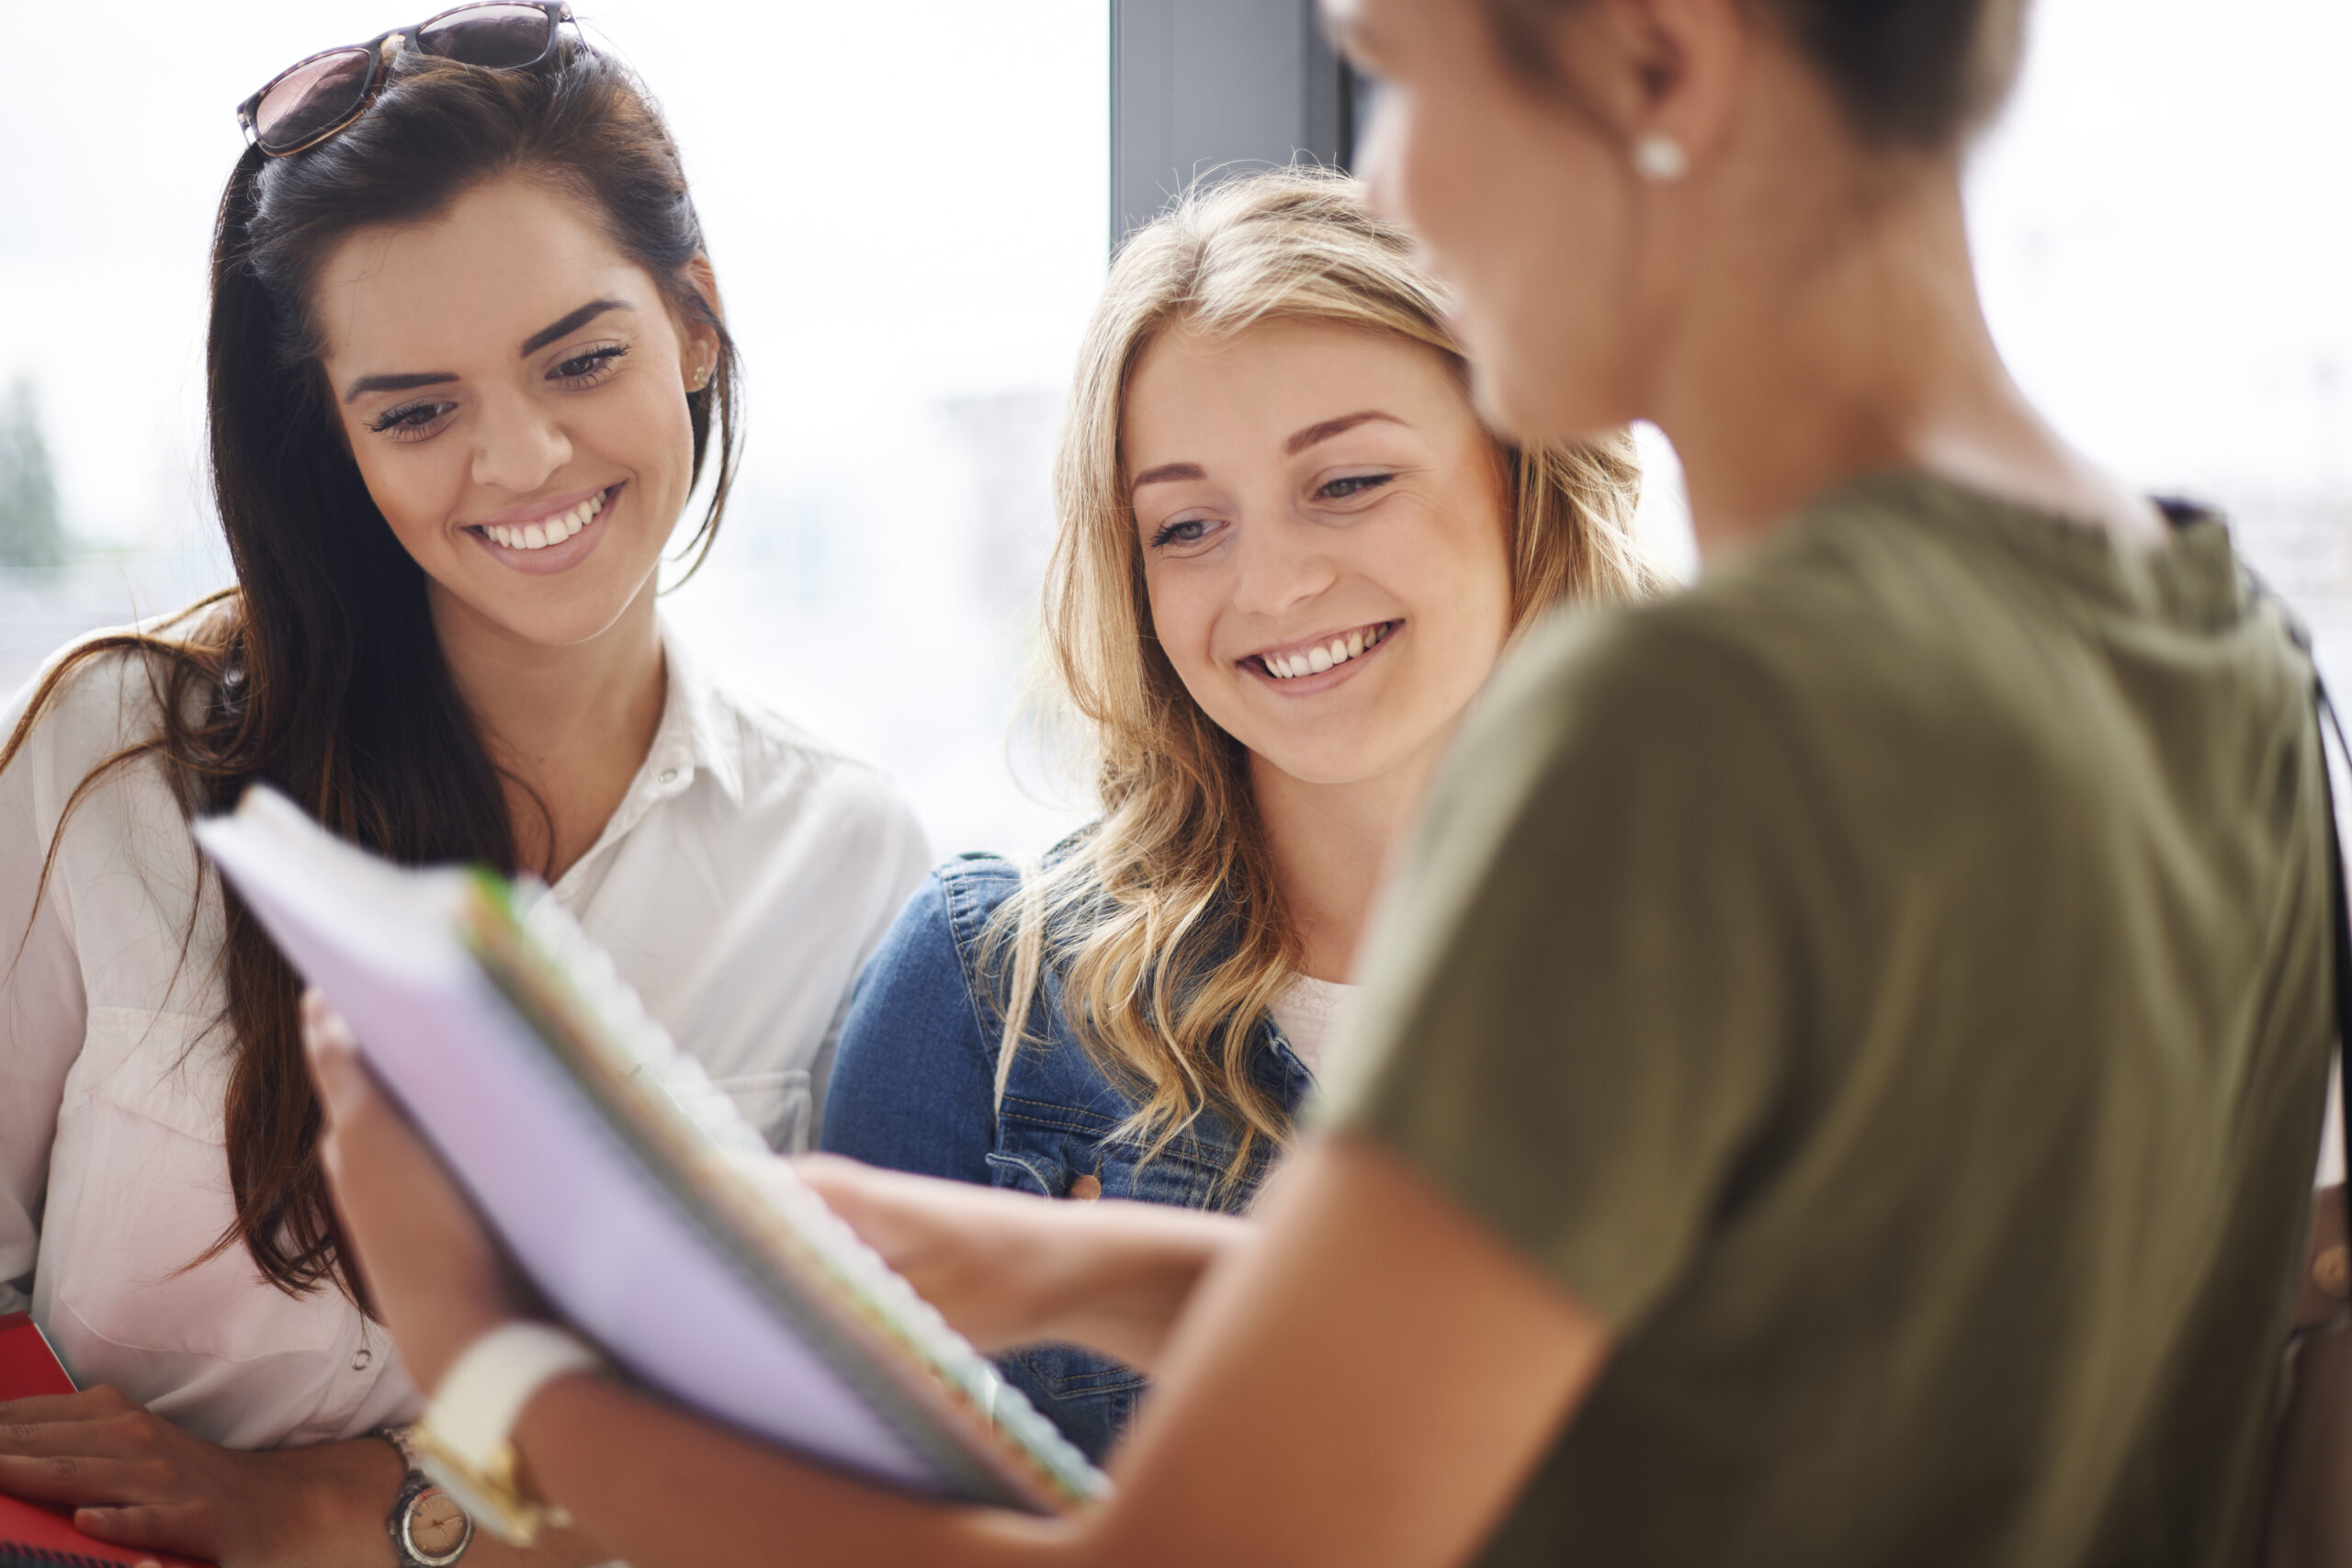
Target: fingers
345	1090
87	1405
72	1480
179	1527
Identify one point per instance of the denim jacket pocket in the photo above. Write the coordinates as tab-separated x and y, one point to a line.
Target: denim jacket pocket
1027	1171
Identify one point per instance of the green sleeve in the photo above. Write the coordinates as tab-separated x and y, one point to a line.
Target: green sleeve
1585	986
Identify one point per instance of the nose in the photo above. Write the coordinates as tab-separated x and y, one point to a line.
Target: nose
1282	563
517	446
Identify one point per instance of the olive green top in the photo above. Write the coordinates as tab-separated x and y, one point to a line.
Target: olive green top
1890	984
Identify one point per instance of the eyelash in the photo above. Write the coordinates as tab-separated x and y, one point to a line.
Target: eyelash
1360	483
601	361
1167	534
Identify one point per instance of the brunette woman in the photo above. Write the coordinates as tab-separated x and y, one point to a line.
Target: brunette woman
1843	1059
467	367
1271	432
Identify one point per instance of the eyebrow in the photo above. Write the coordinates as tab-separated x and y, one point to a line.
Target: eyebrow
403	383
407	382
1168	472
1301	440
572	324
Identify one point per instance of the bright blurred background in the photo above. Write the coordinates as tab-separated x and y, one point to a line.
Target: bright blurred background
907	205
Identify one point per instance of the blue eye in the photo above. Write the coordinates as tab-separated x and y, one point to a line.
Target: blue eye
1183	531
1354	484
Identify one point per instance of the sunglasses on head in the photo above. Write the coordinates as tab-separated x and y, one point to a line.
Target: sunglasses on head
313	98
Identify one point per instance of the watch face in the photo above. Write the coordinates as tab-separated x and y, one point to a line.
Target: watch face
435	1524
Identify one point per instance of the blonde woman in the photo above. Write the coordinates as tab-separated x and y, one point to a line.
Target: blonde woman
1289	557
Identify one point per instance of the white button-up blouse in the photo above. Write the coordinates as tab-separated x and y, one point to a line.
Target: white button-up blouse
740	886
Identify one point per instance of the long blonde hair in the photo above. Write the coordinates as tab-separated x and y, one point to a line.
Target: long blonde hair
1163	918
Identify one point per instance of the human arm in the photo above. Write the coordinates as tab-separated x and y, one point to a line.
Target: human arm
1366	1380
136	1480
43	1007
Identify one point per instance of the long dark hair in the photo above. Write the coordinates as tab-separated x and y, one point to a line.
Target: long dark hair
320	671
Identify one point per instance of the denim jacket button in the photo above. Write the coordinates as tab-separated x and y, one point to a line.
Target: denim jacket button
1086	1189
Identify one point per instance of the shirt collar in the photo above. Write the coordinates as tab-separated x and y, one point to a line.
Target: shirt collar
693	737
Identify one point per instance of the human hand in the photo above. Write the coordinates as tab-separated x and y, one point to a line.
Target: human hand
135	1480
976	1254
432	1272
1009	1269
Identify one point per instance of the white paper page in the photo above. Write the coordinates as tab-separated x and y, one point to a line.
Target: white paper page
605	1245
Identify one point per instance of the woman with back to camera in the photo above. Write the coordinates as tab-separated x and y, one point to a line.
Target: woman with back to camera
1289	557
1843	1059
466	368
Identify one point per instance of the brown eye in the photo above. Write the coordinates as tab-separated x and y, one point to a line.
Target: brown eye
589	365
415	417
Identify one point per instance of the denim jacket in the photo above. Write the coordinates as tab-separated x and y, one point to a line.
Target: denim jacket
914	1088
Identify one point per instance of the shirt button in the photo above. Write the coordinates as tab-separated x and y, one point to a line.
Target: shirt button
668	775
361	1358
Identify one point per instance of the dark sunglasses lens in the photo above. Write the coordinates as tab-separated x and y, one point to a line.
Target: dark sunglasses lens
489	35
313	97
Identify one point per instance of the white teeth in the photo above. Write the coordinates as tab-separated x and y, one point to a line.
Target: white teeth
1315	660
547	531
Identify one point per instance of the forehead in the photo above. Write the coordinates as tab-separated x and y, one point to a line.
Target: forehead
1191	392
470	283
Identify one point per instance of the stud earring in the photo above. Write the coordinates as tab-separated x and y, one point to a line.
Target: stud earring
1659	158
701	377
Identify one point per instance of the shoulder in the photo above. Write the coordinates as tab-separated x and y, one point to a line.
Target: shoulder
945	923
944	933
789	783
98	695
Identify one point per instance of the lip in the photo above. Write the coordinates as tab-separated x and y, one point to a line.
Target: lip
552	558
1254	665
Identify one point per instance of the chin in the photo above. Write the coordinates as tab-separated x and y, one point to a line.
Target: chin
1524	402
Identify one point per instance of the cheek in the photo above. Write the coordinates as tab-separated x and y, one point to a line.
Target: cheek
1183	616
1529	228
415	489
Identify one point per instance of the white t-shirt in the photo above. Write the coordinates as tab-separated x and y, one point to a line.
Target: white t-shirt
1307	1011
746	876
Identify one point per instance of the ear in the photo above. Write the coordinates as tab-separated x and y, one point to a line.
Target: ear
697	341
1657	68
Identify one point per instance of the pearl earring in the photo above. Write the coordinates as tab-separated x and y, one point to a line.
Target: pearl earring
1660	158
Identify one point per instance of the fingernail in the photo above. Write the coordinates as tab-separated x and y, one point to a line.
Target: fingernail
332	1064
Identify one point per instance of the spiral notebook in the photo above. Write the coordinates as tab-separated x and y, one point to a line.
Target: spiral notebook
623	1184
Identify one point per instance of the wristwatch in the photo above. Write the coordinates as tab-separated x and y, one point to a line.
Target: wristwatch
427	1527
463	1443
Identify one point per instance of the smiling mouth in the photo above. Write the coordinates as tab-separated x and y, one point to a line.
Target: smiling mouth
1324	654
546	531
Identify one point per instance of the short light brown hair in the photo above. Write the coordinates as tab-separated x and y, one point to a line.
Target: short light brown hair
1906	73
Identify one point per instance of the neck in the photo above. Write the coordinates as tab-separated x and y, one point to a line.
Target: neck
1810	362
568	725
1330	844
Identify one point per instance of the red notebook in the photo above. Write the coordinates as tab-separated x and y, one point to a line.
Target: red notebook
30	1535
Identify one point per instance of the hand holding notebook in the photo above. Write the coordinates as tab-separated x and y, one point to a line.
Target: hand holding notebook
601	1159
